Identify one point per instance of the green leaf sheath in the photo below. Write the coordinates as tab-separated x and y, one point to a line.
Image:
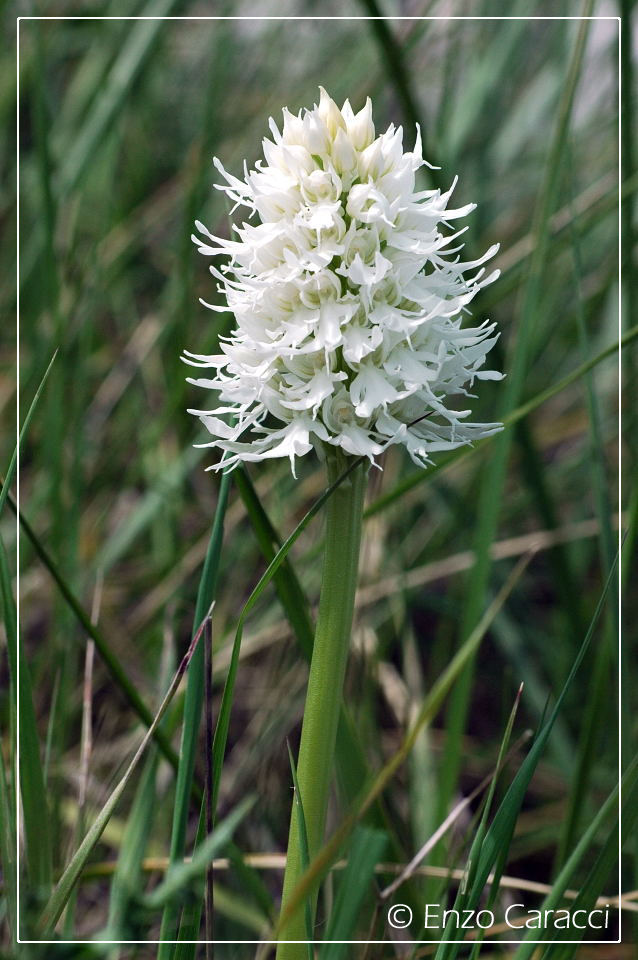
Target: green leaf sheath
344	513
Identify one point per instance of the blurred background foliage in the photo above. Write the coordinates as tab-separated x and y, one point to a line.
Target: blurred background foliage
119	121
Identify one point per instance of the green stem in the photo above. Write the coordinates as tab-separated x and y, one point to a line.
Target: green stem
344	512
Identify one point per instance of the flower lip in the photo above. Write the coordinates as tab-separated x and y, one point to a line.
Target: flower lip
348	294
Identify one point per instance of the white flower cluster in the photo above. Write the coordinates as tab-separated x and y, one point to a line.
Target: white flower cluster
348	300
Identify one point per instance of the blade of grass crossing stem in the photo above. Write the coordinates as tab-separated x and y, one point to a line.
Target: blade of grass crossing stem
480	833
418	477
365	852
193	705
500	833
493	480
461	900
29	762
476	845
429	709
303	845
8	480
602	865
223	720
59	898
181	875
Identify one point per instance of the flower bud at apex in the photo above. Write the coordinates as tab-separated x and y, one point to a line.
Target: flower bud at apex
330	114
349	296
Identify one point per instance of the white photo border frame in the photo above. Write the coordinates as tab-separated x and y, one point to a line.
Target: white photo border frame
618	20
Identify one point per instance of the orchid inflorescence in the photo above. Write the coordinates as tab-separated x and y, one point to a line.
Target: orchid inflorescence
348	296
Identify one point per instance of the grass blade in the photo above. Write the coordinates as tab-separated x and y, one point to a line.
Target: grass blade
111	661
126	879
365	852
590	725
193	705
32	784
182	875
392	57
8	849
8	480
602	865
593	884
490	495
480	833
59	898
287	585
498	837
507	813
130	59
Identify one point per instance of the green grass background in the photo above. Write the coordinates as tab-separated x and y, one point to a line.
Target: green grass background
118	125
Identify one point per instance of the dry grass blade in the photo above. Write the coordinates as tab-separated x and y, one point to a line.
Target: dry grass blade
277	862
452	817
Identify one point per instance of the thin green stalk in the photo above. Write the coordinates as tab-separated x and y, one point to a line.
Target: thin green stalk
193	704
325	683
